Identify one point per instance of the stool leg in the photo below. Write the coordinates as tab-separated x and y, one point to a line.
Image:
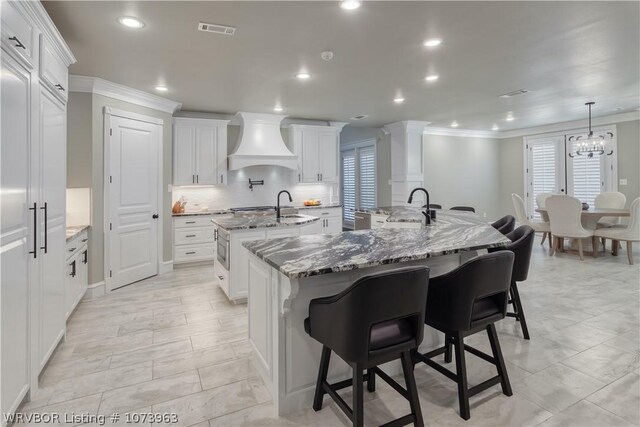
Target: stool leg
515	296
322	377
447	348
410	381
497	355
358	396
461	371
371	381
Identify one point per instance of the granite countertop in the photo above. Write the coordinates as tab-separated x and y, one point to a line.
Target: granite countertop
258	221
329	206
73	230
312	255
414	213
196	213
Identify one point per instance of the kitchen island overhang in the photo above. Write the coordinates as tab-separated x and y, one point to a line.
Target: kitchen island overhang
285	274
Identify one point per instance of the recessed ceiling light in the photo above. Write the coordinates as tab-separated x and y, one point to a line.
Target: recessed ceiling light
398	100
277	108
510	117
432	42
432	77
350	4
303	76
454	124
131	22
495	127
161	88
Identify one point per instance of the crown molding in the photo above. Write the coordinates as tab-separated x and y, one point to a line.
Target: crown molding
41	18
576	124
466	133
103	87
405	126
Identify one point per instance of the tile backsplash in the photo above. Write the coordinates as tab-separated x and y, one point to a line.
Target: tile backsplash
237	193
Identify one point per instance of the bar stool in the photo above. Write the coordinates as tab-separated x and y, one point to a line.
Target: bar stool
505	224
433	206
378	319
463	208
521	245
465	301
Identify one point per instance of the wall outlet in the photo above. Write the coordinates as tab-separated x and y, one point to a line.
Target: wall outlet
623	181
484	214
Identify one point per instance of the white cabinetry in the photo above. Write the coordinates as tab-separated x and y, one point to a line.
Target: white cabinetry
317	148
194	238
76	272
330	219
33	157
199	151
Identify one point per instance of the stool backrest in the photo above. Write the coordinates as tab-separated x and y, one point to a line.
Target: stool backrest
505	224
564	216
521	245
463	208
347	318
454	294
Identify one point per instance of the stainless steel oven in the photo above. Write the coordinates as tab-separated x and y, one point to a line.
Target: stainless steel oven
223	247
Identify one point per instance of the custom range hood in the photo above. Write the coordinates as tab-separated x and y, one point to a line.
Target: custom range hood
260	143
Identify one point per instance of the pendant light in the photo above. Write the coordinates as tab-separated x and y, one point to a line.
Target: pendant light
590	144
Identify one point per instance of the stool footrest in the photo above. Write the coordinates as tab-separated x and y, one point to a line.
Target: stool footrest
444	371
393	383
402	421
480	354
485	385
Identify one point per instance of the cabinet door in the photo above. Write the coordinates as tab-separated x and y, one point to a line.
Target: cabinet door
53	71
310	229
279	232
295	138
17	33
221	168
328	153
72	283
238	273
184	141
53	176
206	159
16	231
310	158
333	225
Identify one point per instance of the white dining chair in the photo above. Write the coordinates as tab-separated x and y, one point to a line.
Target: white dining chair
564	217
629	234
609	200
541	199
521	216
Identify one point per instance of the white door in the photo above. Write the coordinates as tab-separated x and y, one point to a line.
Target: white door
206	155
184	143
545	169
17	237
310	156
328	150
133	201
52	224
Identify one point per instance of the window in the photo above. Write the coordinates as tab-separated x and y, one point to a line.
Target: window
545	158
358	179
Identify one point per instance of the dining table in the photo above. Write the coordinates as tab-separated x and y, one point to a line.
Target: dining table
589	218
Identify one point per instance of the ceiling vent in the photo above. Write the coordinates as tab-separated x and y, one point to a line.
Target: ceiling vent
514	93
216	28
360	117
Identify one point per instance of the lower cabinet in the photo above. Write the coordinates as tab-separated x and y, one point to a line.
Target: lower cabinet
194	238
330	219
77	272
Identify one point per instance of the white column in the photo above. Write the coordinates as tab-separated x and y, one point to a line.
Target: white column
406	160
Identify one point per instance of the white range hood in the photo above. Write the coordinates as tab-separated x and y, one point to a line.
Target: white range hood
260	143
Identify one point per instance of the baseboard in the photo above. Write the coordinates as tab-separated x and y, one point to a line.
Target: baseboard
95	290
166	267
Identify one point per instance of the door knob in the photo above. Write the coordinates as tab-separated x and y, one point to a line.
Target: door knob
154	216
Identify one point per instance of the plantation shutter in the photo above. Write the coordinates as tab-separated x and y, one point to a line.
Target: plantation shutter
348	185
367	177
543	174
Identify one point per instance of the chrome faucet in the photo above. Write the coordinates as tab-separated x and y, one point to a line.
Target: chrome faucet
427	211
278	207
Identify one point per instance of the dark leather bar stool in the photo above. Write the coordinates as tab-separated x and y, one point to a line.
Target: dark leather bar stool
463	208
433	206
505	224
521	245
461	303
378	319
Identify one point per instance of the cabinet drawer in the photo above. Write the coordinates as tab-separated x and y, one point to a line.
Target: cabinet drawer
323	213
17	33
378	221
185	236
74	245
194	253
192	221
53	71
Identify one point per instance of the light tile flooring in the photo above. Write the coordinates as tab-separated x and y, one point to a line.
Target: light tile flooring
174	344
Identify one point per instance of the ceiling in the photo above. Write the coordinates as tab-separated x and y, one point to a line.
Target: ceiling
565	53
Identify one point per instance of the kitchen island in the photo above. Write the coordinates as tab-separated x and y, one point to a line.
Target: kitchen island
285	274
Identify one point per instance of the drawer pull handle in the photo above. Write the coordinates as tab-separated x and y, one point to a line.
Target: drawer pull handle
84	240
190	253
221	277
190	235
72	249
59	86
190	222
325	213
73	269
18	42
380	222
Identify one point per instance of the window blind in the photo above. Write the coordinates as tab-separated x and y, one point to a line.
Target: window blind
348	185
543	173
587	177
367	177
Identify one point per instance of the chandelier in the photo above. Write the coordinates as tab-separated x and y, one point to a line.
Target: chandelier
590	144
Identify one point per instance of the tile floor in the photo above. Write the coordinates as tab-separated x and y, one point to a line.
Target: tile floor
174	344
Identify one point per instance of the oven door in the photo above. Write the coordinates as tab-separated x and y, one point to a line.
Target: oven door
223	249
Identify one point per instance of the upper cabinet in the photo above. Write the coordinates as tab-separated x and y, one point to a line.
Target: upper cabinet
199	151
53	72
317	148
18	34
